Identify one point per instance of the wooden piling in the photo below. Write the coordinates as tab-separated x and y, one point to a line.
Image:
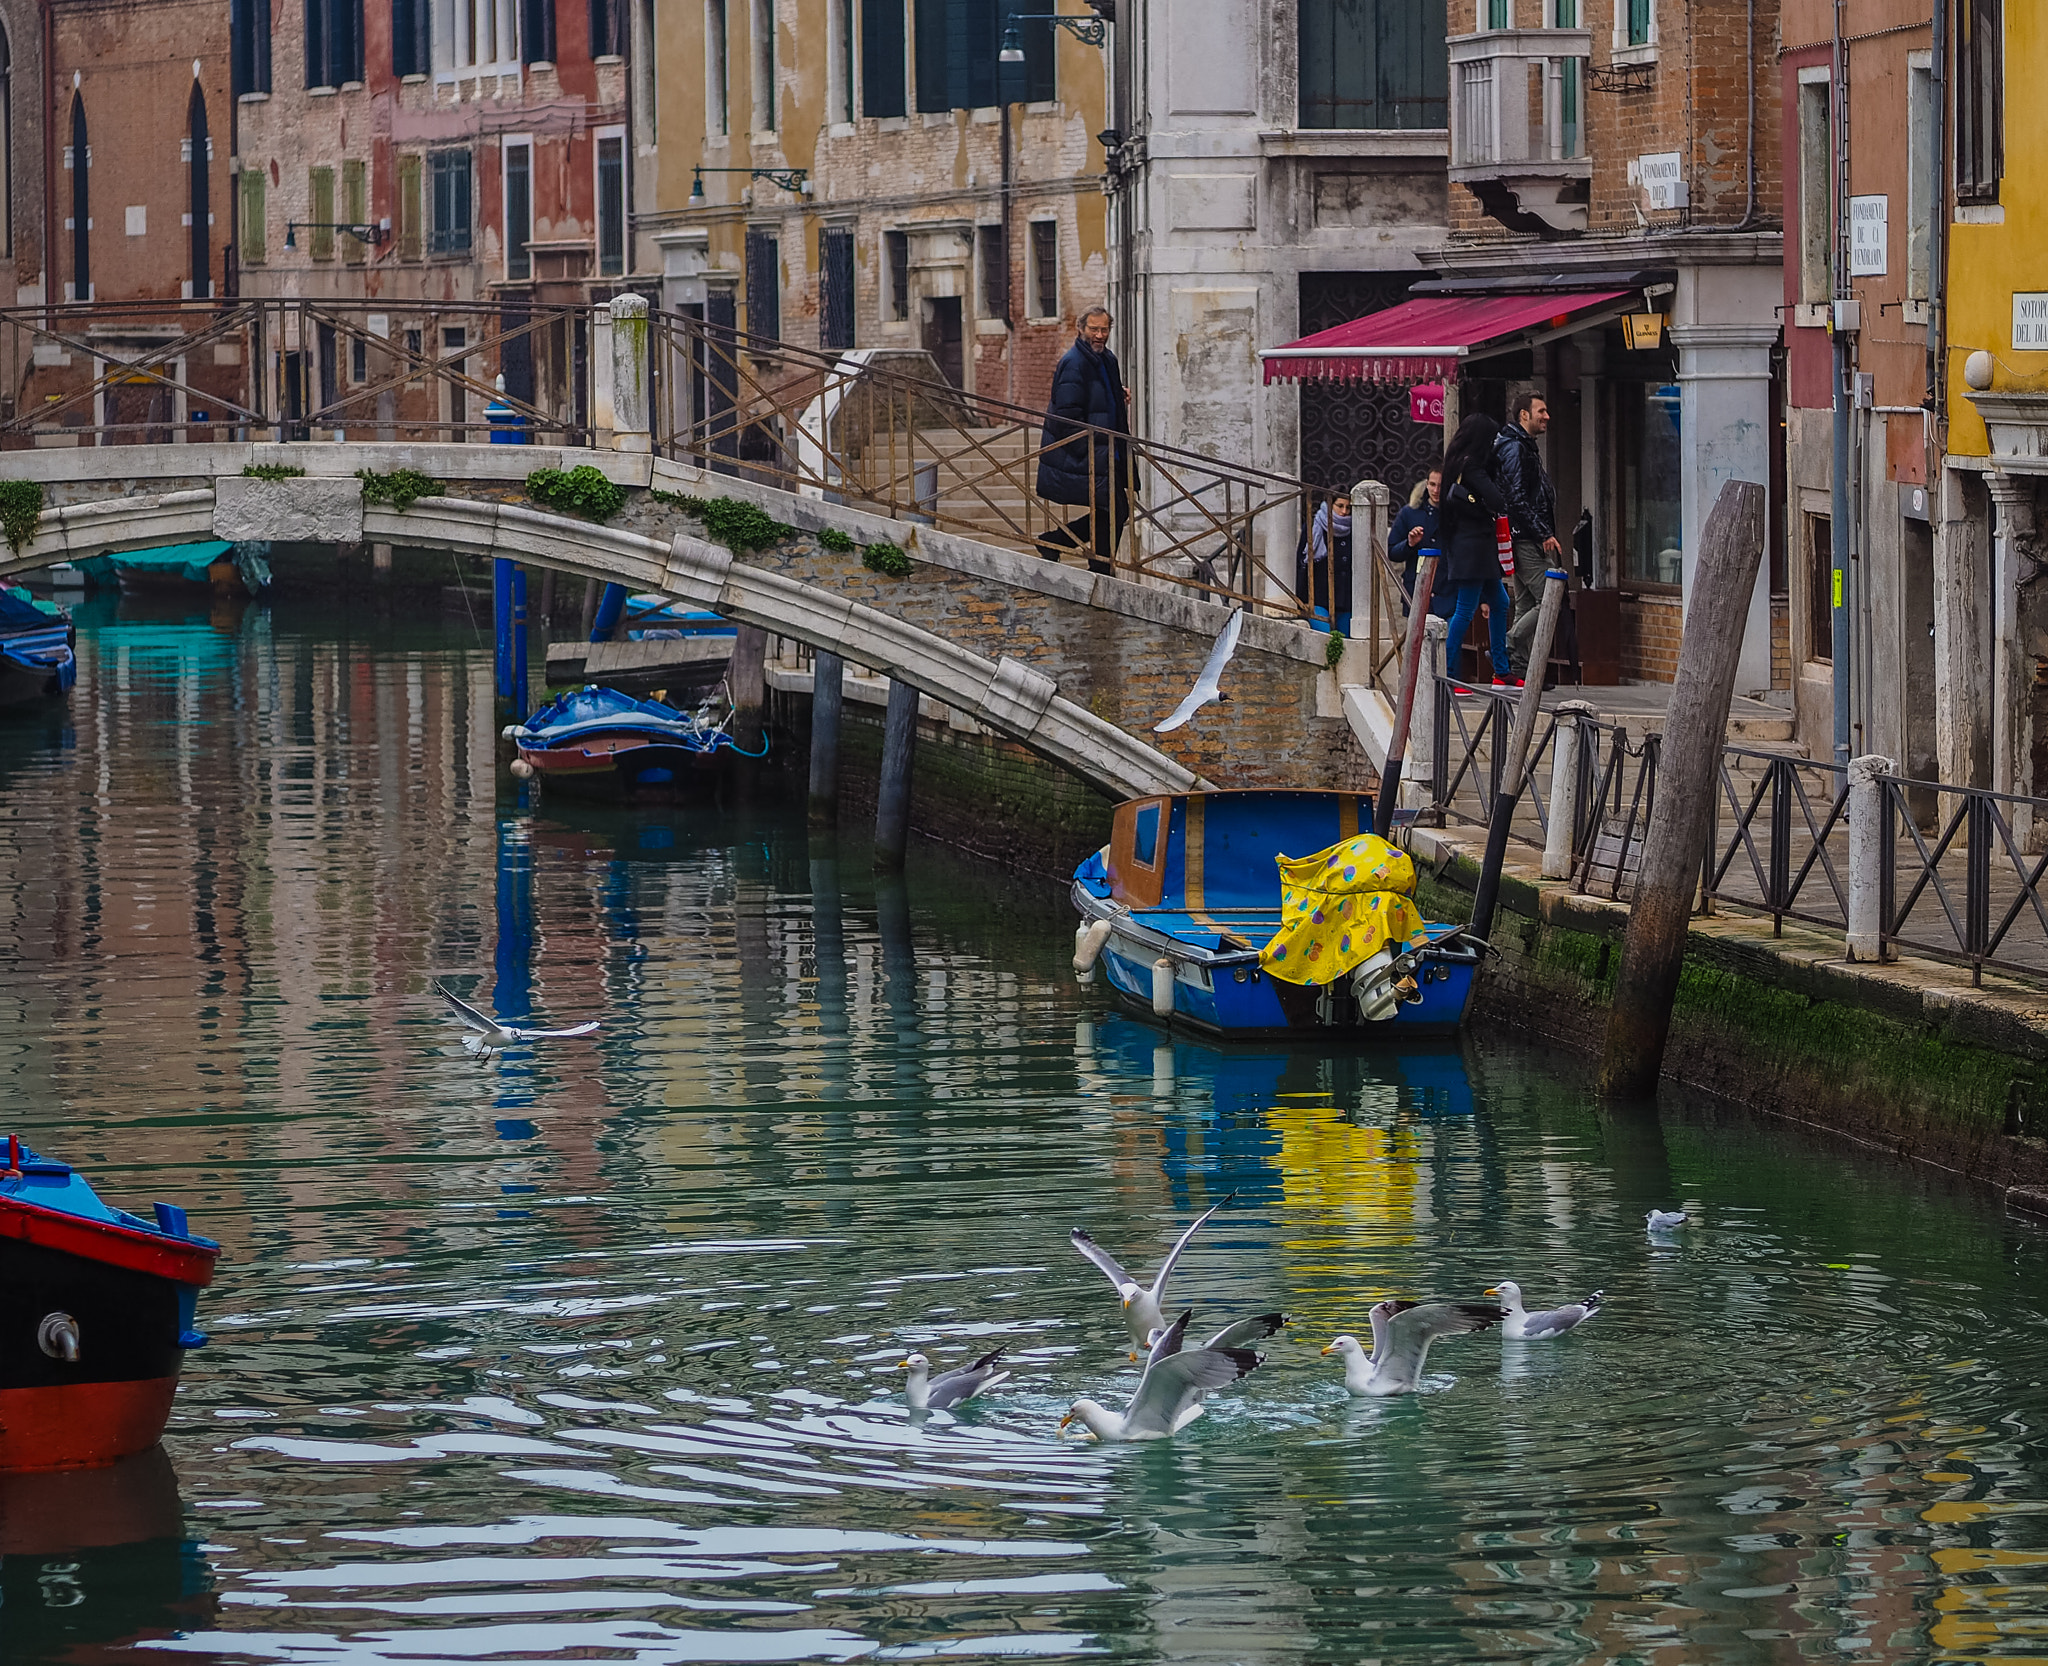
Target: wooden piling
746	680
1695	729
892	803
828	686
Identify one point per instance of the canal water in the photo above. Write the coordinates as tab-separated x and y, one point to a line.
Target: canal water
589	1353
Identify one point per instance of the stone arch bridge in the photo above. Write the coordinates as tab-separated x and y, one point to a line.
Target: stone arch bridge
1075	666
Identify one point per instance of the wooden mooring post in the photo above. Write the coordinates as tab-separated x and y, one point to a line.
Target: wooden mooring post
892	801
828	687
1695	729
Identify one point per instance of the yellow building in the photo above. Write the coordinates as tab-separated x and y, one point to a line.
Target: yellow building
1989	610
842	173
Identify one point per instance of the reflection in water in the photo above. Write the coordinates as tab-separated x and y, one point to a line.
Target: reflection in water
98	1558
587	1354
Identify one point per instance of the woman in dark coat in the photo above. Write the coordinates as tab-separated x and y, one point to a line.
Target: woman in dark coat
1471	501
1081	468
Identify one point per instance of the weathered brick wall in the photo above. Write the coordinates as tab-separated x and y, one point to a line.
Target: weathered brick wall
1651	629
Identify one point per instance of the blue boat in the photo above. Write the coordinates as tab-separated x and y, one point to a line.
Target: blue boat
36	658
601	743
1184	910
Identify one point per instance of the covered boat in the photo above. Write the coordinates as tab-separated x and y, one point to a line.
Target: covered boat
604	744
1198	914
36	639
97	1312
231	569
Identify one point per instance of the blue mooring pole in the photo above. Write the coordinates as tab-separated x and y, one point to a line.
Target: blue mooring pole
519	705
501	620
610	609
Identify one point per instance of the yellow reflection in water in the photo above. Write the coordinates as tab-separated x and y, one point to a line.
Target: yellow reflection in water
1339	1177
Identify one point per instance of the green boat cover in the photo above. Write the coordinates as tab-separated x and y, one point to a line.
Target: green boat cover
188	560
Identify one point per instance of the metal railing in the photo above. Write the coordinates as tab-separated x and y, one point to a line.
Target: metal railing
879	428
1825	844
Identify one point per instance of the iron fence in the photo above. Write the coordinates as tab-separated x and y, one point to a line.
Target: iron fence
1964	887
1775	857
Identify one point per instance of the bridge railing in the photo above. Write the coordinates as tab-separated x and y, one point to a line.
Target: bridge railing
879	428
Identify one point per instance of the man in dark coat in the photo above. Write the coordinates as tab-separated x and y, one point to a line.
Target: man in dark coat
1092	470
1532	517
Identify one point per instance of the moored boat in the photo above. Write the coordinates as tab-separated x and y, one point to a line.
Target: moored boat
1198	916
36	657
97	1312
600	743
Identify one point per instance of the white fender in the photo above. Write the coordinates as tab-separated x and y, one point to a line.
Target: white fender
1088	940
1162	987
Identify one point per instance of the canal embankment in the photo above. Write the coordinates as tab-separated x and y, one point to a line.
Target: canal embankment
1908	1055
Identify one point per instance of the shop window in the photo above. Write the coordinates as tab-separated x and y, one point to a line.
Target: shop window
883	43
1373	63
1652	521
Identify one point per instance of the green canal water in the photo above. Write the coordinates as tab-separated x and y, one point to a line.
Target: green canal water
587	1354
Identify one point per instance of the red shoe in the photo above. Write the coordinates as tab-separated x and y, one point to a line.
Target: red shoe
1507	682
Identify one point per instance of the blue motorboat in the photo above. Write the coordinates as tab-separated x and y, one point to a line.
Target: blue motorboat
1198	914
605	744
36	657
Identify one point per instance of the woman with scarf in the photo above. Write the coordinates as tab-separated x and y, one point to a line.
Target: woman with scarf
1325	559
1471	501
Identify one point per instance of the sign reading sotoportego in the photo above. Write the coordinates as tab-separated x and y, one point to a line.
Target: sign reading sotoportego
2030	320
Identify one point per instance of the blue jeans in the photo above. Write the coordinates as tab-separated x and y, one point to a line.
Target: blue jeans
1494	594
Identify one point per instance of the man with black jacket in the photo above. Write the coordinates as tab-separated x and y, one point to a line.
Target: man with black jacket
1532	517
1083	457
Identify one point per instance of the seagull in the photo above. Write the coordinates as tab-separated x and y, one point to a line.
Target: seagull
1171	1391
1663	1220
929	1393
1401	1335
492	1036
1522	1325
1142	1315
1206	686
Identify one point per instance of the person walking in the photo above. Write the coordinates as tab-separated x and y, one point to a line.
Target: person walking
1472	501
1077	467
1532	517
1322	577
1416	528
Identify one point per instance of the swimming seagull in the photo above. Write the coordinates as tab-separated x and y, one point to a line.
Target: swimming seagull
925	1392
1207	685
1142	1315
1663	1220
1171	1391
491	1036
1522	1325
1401	1335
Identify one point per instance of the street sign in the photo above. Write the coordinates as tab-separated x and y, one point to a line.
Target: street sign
2030	320
1662	177
1868	228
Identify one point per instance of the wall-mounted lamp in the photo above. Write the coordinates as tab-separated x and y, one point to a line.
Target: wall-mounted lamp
373	235
1642	331
1089	31
794	180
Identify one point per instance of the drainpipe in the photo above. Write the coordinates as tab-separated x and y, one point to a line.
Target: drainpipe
48	91
1839	509
1749	198
1937	214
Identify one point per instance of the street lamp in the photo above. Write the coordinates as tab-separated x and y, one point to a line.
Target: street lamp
379	233
1089	31
793	180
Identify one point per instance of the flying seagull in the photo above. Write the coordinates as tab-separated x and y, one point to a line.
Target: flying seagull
1142	1315
1171	1391
1522	1325
1206	686
1663	1220
928	1393
1401	1335
491	1036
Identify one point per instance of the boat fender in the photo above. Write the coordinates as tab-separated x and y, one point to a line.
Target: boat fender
1088	940
1162	987
522	769
509	732
57	1336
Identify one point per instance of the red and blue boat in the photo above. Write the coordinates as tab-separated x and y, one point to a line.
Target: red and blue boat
600	743
37	661
1199	917
98	1309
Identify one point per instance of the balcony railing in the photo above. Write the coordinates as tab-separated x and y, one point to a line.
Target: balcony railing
1518	125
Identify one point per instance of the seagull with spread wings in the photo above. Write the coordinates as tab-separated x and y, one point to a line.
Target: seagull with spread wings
1142	1303
1401	1335
489	1035
1209	685
1171	1391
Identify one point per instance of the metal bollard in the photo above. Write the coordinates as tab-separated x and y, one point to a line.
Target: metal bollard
1564	788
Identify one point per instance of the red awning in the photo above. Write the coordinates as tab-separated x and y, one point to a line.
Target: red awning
1423	340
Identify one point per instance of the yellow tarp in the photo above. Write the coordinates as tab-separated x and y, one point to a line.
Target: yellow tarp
1340	907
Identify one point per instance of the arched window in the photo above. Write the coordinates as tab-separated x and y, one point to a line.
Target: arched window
201	203
81	202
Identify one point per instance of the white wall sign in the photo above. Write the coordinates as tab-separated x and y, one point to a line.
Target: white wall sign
2030	320
1868	237
1662	177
